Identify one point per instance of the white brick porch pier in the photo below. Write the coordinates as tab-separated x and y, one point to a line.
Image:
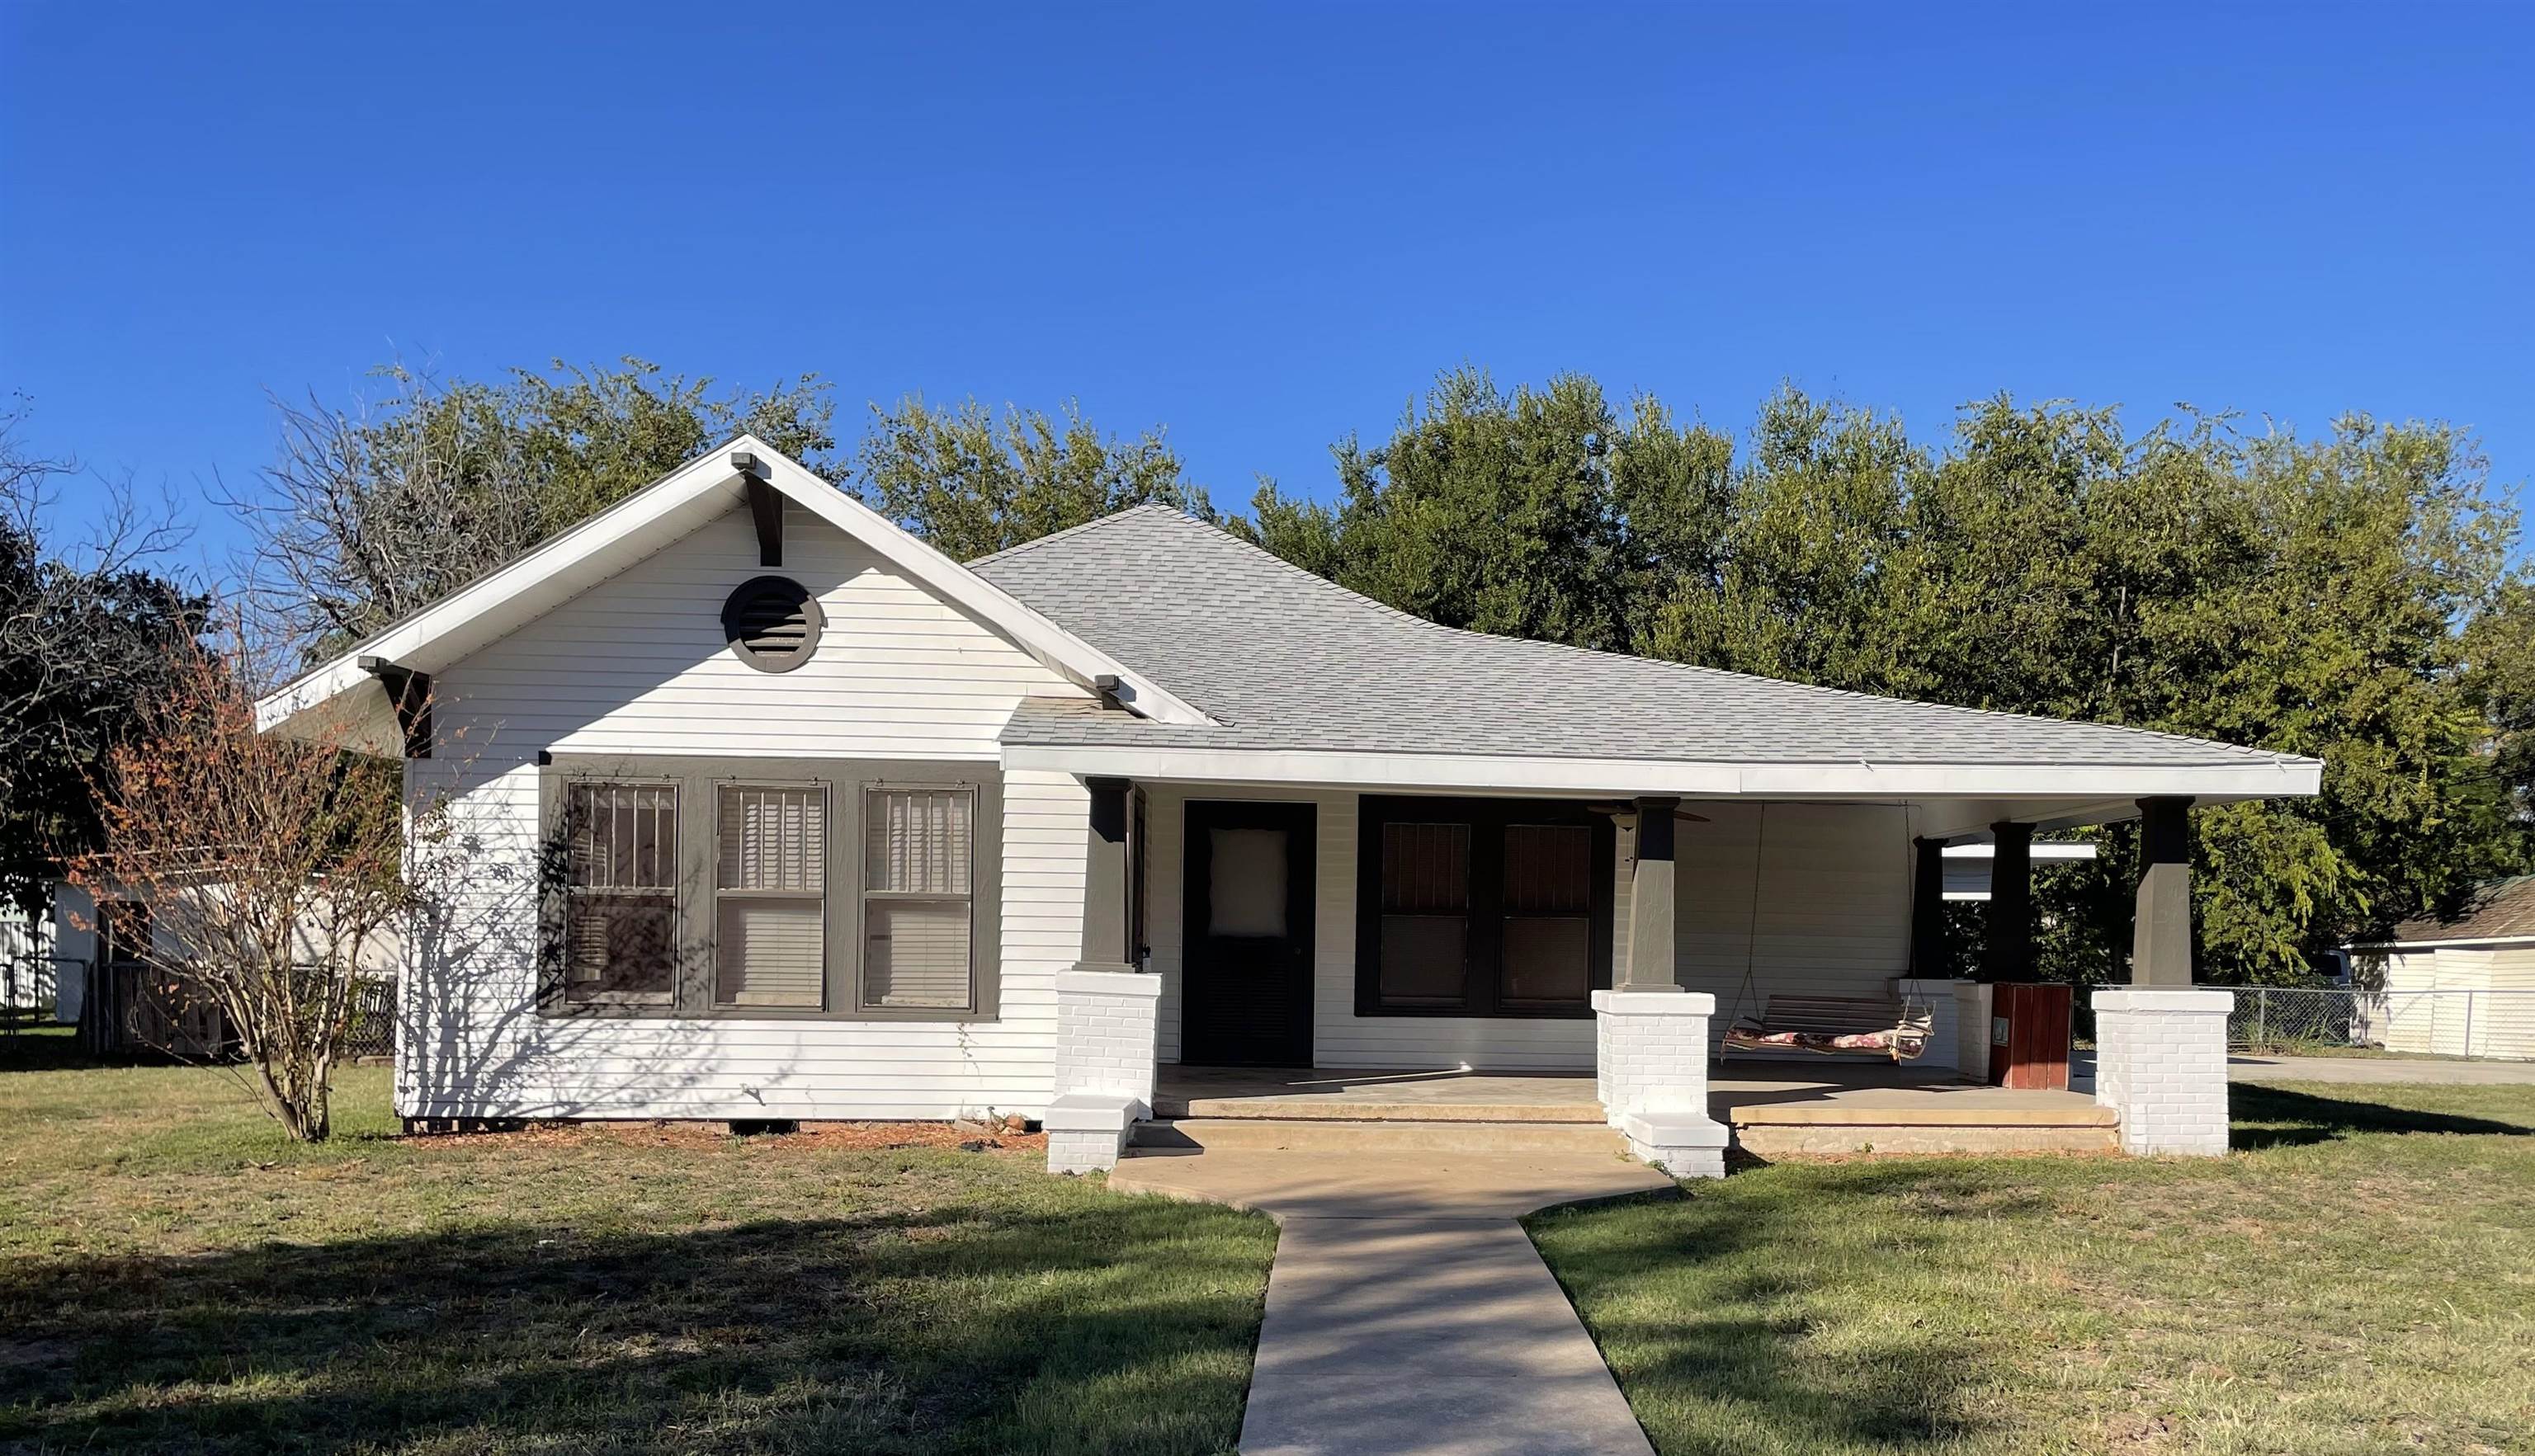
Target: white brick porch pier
2161	1066
1650	1070
1104	1067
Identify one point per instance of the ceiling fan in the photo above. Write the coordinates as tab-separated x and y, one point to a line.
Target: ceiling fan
1617	809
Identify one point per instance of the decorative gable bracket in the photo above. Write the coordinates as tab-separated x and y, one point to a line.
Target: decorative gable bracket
410	693
765	505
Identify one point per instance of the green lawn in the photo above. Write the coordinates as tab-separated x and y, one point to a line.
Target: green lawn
2359	1277
173	1275
176	1276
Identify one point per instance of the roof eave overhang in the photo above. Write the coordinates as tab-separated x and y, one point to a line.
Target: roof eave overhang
2458	943
2107	791
343	699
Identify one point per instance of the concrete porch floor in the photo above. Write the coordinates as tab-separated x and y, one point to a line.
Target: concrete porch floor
1773	1107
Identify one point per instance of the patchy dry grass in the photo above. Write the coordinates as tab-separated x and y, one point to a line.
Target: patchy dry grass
174	1275
2359	1276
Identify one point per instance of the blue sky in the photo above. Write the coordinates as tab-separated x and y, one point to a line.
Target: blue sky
1266	226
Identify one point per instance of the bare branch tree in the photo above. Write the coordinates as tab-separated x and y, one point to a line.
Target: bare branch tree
271	865
84	631
369	514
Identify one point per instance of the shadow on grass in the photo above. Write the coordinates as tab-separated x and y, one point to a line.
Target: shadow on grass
1115	1326
43	1048
2266	1117
1717	1313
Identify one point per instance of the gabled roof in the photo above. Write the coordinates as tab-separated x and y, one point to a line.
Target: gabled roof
1288	663
514	594
2502	910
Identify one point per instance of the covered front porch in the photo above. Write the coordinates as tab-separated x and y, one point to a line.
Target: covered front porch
1381	960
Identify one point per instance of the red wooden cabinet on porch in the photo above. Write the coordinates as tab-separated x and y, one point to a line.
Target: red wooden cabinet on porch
2028	1036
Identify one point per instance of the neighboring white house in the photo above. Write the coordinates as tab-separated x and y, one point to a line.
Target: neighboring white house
771	810
2461	986
81	938
1968	866
26	961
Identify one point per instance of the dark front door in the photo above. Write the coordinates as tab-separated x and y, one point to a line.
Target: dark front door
1246	988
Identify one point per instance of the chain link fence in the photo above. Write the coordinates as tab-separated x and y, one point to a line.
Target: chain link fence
30	981
125	1008
371	1029
2293	1020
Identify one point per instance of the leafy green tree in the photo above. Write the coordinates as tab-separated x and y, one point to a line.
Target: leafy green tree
2500	648
592	437
2350	643
972	484
1791	585
2350	597
1534	513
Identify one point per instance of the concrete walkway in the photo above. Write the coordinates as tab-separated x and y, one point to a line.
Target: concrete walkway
2430	1070
1407	1313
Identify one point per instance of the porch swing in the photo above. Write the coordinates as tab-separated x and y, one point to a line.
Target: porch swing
1897	1027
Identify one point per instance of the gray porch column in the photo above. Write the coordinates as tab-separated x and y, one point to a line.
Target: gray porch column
2007	949
1104	877
2161	927
1650	894
1105	1012
1928	911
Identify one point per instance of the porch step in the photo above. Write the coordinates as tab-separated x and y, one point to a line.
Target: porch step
1778	1131
1394	1135
1326	1109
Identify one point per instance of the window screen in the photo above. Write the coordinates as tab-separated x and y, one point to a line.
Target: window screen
918	848
1548	915
620	930
771	897
1425	914
1246	891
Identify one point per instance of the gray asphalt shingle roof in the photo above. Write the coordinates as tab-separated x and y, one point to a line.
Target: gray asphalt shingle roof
1289	661
2498	910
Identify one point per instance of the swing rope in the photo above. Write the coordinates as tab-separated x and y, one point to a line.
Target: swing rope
1827	1024
1751	929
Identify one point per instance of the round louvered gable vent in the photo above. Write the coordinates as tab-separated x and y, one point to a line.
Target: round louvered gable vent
772	623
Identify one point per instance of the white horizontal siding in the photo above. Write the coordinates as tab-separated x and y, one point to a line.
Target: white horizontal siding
637	665
2410	1018
1834	919
2508	1027
2458	1001
1831	915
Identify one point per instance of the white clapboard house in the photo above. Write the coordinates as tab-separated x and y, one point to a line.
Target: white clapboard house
770	810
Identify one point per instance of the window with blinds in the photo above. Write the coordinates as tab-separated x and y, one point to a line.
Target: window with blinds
620	930
920	845
771	896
